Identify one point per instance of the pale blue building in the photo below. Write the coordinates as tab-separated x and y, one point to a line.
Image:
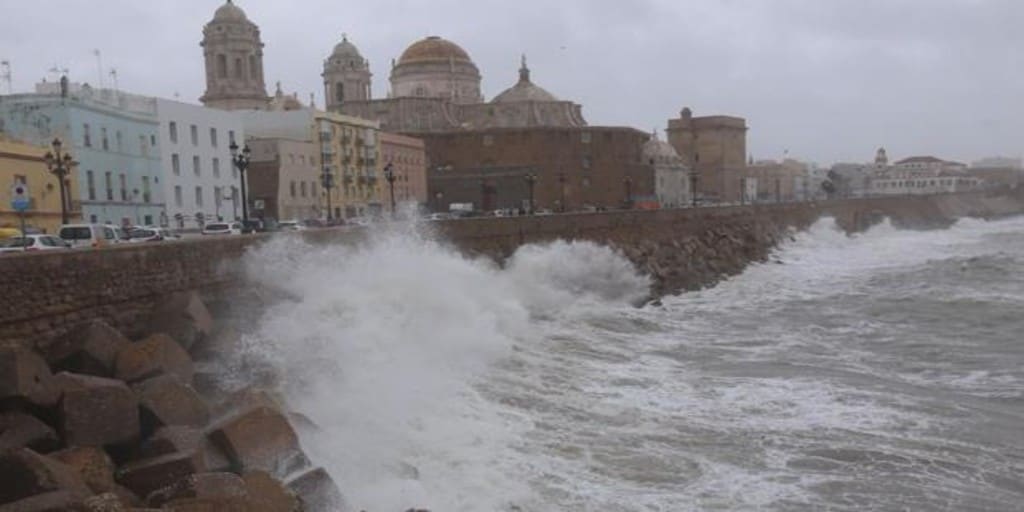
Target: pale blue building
114	139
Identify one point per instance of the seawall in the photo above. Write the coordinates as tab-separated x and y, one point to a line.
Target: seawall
42	296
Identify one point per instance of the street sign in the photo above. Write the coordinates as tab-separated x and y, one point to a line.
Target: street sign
20	199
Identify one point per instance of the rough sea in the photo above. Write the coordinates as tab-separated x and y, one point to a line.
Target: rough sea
881	371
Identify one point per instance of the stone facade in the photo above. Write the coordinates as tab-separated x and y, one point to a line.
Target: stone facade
715	147
346	76
284	179
23	163
576	168
233	55
408	158
672	177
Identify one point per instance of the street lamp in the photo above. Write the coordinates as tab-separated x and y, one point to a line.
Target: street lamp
531	180
59	164
629	191
389	174
561	183
437	204
327	180
241	162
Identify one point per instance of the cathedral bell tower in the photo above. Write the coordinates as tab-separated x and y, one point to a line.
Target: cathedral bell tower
346	76
234	61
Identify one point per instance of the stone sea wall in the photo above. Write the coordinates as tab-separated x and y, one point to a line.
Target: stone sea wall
43	296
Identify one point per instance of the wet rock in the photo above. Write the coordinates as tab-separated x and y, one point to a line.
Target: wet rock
260	438
181	439
30	481
26	378
151	357
92	465
18	430
266	494
166	401
91	350
142	477
205	486
317	491
96	412
184	317
106	502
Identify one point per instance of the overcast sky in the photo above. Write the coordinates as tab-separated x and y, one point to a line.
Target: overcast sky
829	80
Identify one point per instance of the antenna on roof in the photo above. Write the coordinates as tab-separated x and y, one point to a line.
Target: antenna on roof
99	64
113	77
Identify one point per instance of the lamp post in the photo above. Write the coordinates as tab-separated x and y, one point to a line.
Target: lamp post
629	192
327	180
531	181
693	189
389	174
59	164
561	185
437	203
241	162
483	195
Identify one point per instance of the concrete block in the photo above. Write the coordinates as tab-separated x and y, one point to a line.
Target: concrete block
168	440
142	477
96	412
90	350
184	317
166	401
151	357
92	465
260	439
25	377
25	474
18	429
317	491
201	486
268	494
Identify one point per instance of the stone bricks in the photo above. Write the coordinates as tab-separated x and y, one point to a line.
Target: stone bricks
25	377
166	401
184	317
90	350
97	412
19	430
145	476
151	357
267	494
317	491
25	474
260	439
92	465
200	486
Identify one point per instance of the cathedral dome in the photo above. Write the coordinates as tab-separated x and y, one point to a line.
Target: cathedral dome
346	49
659	152
229	12
524	90
433	49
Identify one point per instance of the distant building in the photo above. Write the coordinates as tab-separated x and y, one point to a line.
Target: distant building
112	136
408	158
776	181
23	163
715	148
672	177
284	179
233	54
998	171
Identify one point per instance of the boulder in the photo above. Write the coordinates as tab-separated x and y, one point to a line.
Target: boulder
18	430
200	486
317	491
142	477
260	439
92	465
91	350
53	501
26	378
96	412
267	494
166	401
27	475
184	317
153	356
177	439
106	502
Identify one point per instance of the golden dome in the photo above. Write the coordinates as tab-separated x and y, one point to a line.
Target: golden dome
433	49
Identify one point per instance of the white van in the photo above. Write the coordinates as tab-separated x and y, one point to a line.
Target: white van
87	235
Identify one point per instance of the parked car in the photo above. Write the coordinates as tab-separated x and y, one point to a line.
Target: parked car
291	225
150	235
223	228
88	235
439	216
122	236
32	243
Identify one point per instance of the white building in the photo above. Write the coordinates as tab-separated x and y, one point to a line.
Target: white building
672	183
938	184
200	182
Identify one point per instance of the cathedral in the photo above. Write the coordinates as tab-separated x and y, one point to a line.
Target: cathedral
435	85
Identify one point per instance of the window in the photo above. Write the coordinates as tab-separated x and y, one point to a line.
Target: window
175	164
312	189
253	70
93	219
145	189
339	92
222	66
86	136
231	136
217	197
303	188
216	167
177	195
292	187
124	188
585	137
213	137
152	140
173	129
195	166
143	148
194	132
108	181
199	197
148	220
587	161
20	179
117	139
91	184
238	68
103	139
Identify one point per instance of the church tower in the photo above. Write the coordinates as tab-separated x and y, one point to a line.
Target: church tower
346	76
234	61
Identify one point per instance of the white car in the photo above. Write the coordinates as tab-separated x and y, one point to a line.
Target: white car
88	235
32	243
291	225
223	228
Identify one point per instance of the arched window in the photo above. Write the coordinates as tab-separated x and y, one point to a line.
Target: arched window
238	68
253	69
222	66
339	92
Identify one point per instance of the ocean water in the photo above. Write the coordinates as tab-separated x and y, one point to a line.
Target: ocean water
883	371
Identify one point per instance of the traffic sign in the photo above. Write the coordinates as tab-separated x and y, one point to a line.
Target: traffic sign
20	198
